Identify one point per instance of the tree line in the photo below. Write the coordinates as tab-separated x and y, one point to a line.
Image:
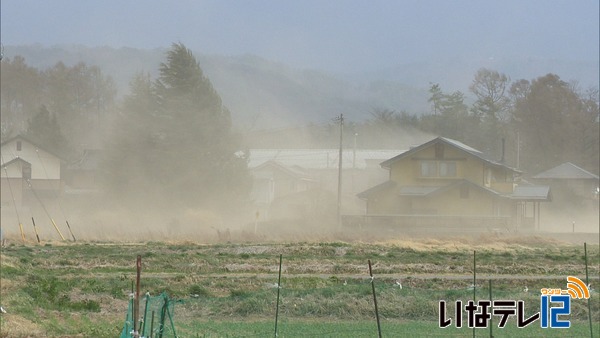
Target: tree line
171	138
532	125
543	122
61	106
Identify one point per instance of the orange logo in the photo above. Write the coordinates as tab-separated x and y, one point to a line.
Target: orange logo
576	288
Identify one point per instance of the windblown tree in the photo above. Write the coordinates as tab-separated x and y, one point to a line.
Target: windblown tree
43	128
491	109
555	124
20	94
451	116
175	142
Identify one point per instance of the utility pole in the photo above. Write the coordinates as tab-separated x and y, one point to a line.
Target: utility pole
339	201
354	152
518	150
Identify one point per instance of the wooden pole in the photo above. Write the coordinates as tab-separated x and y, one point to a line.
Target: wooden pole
69	226
57	229
339	200
22	233
35	229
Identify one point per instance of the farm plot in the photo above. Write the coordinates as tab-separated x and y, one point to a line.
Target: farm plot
230	290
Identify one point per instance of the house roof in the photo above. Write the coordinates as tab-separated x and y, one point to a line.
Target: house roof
523	193
380	187
32	142
16	159
566	170
423	191
295	172
320	158
532	193
417	191
453	143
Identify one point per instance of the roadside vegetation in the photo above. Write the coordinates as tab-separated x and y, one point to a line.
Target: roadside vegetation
82	289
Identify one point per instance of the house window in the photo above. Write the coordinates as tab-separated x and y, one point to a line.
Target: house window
26	172
18	145
487	177
428	169
464	191
447	169
444	169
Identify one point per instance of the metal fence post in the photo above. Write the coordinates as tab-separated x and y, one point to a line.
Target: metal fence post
587	282
375	299
278	289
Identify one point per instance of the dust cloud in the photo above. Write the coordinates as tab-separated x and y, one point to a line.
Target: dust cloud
308	214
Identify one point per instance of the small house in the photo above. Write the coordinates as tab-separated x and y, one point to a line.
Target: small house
29	171
570	182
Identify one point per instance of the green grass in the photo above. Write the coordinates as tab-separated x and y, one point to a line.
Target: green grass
227	289
334	329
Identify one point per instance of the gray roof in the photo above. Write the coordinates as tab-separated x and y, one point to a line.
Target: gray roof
319	158
417	191
522	193
380	187
532	192
295	171
566	170
16	159
61	157
431	190
456	144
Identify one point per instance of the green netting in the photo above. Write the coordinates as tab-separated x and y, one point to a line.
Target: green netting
156	318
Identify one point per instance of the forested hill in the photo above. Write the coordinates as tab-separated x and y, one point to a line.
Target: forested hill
259	93
265	94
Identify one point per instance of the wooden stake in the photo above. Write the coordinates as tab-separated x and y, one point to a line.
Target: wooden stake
55	227
69	226
22	233
35	229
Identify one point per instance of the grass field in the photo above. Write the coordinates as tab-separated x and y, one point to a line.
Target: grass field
63	289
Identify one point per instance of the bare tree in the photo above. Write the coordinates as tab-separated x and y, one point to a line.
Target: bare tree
490	88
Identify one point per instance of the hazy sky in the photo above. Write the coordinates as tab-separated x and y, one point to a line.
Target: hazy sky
335	35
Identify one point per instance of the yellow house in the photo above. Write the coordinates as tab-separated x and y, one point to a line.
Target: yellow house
444	182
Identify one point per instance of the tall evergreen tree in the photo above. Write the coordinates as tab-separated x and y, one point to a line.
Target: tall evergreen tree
43	128
176	136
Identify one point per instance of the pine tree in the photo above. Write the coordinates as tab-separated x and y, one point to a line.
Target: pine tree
43	128
176	138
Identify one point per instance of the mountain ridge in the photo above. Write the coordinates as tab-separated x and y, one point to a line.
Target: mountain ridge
261	93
